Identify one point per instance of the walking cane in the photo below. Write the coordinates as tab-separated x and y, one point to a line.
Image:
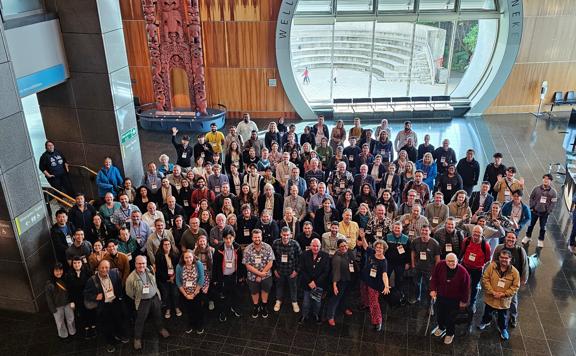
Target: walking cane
430	313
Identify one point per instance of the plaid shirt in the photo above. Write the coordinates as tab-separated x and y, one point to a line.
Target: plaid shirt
287	257
340	181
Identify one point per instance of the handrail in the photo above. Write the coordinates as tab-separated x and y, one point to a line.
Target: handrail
58	199
84	168
61	193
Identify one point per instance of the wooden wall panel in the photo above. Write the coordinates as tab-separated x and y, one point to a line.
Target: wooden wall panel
137	46
251	44
131	9
215	44
142	84
547	52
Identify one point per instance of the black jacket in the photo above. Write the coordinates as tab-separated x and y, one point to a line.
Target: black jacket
59	242
183	160
278	205
319	226
76	284
270	232
314	270
469	171
162	266
218	263
475	202
94	287
82	219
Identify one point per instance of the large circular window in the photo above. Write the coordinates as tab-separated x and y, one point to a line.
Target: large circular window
387	48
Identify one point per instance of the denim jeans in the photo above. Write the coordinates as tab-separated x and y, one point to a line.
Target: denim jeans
502	316
337	300
309	304
543	220
280	284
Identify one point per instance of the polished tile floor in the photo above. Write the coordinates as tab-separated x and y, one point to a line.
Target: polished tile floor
547	306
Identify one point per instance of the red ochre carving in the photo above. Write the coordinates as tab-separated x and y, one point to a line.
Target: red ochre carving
175	41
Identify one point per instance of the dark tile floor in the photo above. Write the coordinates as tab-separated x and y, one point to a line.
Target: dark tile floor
547	304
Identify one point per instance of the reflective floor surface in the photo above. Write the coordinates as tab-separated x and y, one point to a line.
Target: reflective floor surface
547	323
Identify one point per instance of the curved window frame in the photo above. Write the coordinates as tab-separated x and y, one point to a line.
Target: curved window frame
414	16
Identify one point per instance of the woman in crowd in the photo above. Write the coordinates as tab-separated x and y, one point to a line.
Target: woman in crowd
384	147
143	197
205	253
324	217
97	255
76	282
362	216
128	189
234	155
338	135
272	135
346	201
165	166
374	280
167	259
99	231
343	267
458	208
428	167
190	280
366	196
59	303
108	179
377	170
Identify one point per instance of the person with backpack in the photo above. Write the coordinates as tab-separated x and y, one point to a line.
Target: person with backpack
520	261
475	254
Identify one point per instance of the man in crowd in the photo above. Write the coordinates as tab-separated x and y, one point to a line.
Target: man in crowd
542	201
286	263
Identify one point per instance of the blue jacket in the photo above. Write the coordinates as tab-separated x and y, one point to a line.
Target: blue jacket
108	180
430	173
526	215
199	280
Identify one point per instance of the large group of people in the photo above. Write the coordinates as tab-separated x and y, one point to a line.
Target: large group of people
322	226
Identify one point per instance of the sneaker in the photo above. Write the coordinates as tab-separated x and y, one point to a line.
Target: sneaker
448	339
164	333
210	305
167	314
189	331
505	335
137	344
378	327
110	348
200	331
235	313
178	312
222	317
255	312
295	307
277	306
348	312
331	322
438	332
122	339
540	243
526	240
483	326
264	311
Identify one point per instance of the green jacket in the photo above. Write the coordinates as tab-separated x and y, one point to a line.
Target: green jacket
134	286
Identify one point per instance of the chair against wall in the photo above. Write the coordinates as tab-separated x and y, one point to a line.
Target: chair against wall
381	105
362	105
570	98
557	99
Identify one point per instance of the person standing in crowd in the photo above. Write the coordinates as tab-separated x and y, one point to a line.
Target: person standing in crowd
259	258
142	289
167	259
184	151
542	201
449	183
507	184
444	156
517	211
425	147
449	238
203	150
108	179
437	212
81	213
245	127
500	281
190	279
425	255
402	136
475	254
286	263
481	201
227	274
122	216
232	136
374	280
428	168
320	131
55	168
469	170
75	283
494	171
520	262
450	288
216	139
343	267
314	275
59	302
79	248
61	235
104	293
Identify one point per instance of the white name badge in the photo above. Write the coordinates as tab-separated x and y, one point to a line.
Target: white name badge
442	159
472	257
257	260
351	158
425	175
189	284
84	260
307	248
184	155
68	240
228	264
217	189
435	220
401	250
351	267
246	232
411	233
507	192
145	289
186	203
501	283
129	257
379	233
154	186
423	256
109	294
543	200
170	271
448	247
448	186
342	185
284	259
373	272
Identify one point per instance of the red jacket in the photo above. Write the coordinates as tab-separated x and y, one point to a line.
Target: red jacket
457	288
473	255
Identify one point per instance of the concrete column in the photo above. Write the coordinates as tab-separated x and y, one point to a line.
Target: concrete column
25	249
92	115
